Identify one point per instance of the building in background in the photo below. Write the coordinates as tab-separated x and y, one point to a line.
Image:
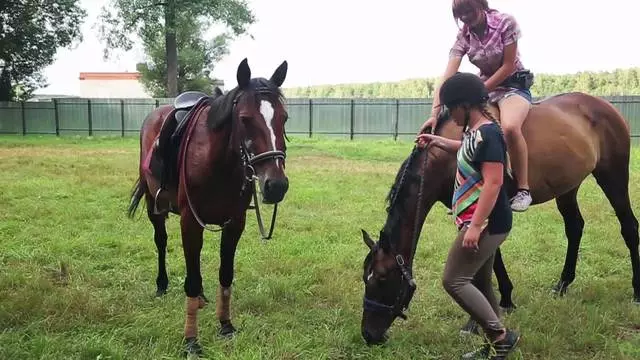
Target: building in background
119	85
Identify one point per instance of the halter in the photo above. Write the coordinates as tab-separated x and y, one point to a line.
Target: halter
248	160
407	282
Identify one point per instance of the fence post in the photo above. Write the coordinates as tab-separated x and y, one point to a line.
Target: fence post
122	116
89	117
24	119
310	117
157	103
353	116
395	126
56	116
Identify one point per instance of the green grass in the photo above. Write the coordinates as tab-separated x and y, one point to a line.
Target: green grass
77	277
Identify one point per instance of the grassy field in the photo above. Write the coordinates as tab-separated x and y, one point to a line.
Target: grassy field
77	278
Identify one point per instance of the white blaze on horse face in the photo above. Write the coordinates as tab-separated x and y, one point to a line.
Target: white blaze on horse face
266	109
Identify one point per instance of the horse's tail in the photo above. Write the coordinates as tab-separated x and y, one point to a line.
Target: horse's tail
136	194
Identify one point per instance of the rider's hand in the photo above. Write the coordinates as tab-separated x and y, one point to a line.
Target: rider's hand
431	122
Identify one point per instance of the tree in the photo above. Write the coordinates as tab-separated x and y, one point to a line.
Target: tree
31	31
145	19
196	57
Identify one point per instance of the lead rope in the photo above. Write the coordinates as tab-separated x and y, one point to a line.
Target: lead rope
416	225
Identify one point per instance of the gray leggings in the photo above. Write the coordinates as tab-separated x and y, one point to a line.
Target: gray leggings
467	279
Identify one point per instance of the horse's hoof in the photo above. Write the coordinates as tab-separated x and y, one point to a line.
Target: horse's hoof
636	299
560	288
161	292
192	347
470	328
226	329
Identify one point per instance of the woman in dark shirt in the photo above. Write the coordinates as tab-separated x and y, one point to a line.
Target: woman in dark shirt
480	206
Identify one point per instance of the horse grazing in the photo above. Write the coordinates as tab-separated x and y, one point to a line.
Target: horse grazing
569	136
217	146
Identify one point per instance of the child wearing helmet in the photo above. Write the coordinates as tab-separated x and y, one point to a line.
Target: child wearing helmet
480	206
489	39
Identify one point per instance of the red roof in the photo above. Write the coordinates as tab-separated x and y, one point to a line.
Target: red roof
110	75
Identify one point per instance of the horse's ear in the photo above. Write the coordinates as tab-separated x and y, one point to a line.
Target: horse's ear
367	239
217	92
244	74
280	74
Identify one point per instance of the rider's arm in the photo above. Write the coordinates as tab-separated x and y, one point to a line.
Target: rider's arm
452	67
458	50
510	33
506	69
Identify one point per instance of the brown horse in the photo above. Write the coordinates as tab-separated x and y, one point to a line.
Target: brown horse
227	141
569	136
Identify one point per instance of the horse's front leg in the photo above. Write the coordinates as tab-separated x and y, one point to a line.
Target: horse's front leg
505	286
192	245
230	237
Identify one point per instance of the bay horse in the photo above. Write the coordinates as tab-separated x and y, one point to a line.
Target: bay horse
228	141
569	136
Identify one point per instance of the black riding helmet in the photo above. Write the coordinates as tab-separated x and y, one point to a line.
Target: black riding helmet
463	88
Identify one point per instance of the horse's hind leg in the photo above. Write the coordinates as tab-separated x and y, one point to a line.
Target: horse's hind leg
229	242
573	226
160	238
615	184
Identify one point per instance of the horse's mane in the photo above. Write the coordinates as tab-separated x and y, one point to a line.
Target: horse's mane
398	193
407	175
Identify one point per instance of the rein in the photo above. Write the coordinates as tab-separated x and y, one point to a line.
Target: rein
407	283
248	162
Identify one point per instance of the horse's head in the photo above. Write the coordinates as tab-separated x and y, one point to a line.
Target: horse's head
387	270
258	115
389	287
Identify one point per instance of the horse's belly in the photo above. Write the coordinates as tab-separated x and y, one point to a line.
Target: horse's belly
562	153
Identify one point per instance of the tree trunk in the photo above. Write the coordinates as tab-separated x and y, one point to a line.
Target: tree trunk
6	91
171	48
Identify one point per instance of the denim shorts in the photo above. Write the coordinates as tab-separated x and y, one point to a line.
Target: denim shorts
503	93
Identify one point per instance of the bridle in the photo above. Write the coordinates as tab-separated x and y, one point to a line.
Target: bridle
248	161
407	288
407	282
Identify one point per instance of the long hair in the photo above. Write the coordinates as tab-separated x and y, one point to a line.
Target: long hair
458	6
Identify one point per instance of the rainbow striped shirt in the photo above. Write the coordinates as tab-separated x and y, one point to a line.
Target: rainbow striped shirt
484	144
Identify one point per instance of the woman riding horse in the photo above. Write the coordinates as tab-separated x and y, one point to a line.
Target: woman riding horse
489	39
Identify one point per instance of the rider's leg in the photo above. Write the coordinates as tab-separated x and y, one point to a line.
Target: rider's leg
513	111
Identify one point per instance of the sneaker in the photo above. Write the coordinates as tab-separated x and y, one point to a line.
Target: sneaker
498	350
521	201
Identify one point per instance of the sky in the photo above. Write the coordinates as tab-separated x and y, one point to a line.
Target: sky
348	41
